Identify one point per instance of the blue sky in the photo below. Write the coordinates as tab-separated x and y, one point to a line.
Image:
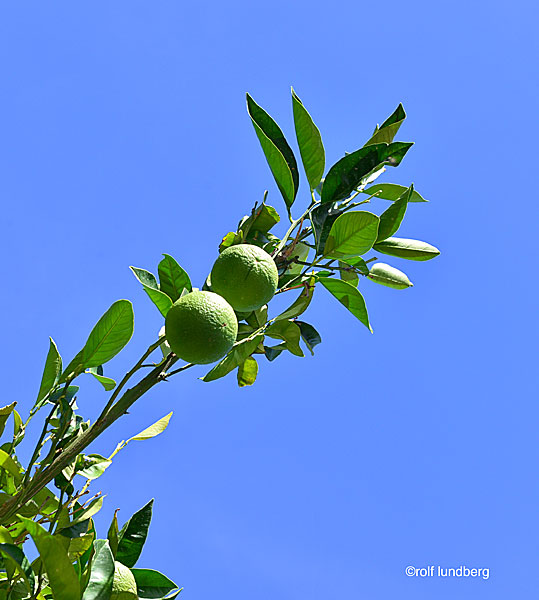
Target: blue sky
125	135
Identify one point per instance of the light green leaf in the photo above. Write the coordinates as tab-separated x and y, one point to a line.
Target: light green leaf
152	584
51	372
247	372
389	276
349	296
262	219
153	430
391	218
392	191
406	248
111	333
151	287
63	580
133	535
5	411
86	513
389	128
9	465
310	143
301	303
172	278
237	355
108	383
278	153
352	234
93	466
289	332
101	573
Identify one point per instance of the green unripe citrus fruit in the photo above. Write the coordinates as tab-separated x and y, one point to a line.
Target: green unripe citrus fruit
124	586
201	327
246	276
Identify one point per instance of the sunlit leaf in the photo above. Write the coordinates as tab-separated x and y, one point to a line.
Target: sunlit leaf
51	372
172	278
348	296
151	287
392	191
239	352
352	234
389	128
152	584
391	218
301	303
155	429
101	573
5	411
289	332
406	248
389	276
247	372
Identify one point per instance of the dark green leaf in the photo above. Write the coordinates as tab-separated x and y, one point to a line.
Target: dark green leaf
352	234
309	335
322	218
346	174
309	142
272	352
289	332
406	248
151	287
301	303
239	352
63	580
389	128
152	584
5	411
112	535
75	530
349	296
389	276
391	218
392	191
172	278
300	252
133	535
15	558
101	573
278	153
111	333
247	372
51	372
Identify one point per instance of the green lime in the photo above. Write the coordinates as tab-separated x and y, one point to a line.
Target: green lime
246	276
201	327
124	586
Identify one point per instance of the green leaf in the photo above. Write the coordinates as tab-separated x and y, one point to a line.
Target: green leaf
272	352
300	252
5	411
262	219
348	274
18	563
152	584
108	383
346	174
133	535
309	335
9	465
237	355
51	372
93	466
389	276
231	239
112	534
322	218
151	287
111	333
247	372
405	248
309	142
93	508
278	153
153	430
392	191
389	128
391	218
101	573
63	580
349	296
172	278
301	303
352	234
289	332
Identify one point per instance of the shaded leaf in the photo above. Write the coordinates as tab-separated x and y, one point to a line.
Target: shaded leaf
133	535
272	352
152	584
247	372
352	234
322	218
172	278
391	218
108	383
112	534
93	466
18	563
309	335
82	514
301	303
392	191
389	276
5	411
9	465
51	372
289	332
349	296
389	128
239	352
101	573
300	252
406	248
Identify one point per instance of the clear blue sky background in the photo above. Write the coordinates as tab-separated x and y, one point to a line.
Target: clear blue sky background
124	135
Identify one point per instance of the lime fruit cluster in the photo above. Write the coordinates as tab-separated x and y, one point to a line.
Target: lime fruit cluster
124	586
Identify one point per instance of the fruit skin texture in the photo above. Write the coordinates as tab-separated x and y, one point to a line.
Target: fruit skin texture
246	276
201	327
124	586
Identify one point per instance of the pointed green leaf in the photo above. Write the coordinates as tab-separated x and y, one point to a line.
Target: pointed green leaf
262	219
247	372
346	174
172	278
349	296
278	153
239	352
51	372
406	248
151	287
153	430
322	218
300	253
5	411
63	580
9	465
289	332
389	276
391	218
133	535
392	192
112	534
108	383
18	562
389	128
352	234
93	466
82	514
301	303
309	335
309	142
101	573
152	584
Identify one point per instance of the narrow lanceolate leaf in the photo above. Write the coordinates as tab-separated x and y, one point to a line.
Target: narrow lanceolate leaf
389	276
152	584
51	372
112	534
15	560
391	218
289	332
405	248
349	296
108	383
309	142
111	333
347	174
153	430
133	535
151	287
172	278
101	573
63	580
9	465
352	234
247	372
309	335
239	352
301	303
5	411
392	192
278	153
389	128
